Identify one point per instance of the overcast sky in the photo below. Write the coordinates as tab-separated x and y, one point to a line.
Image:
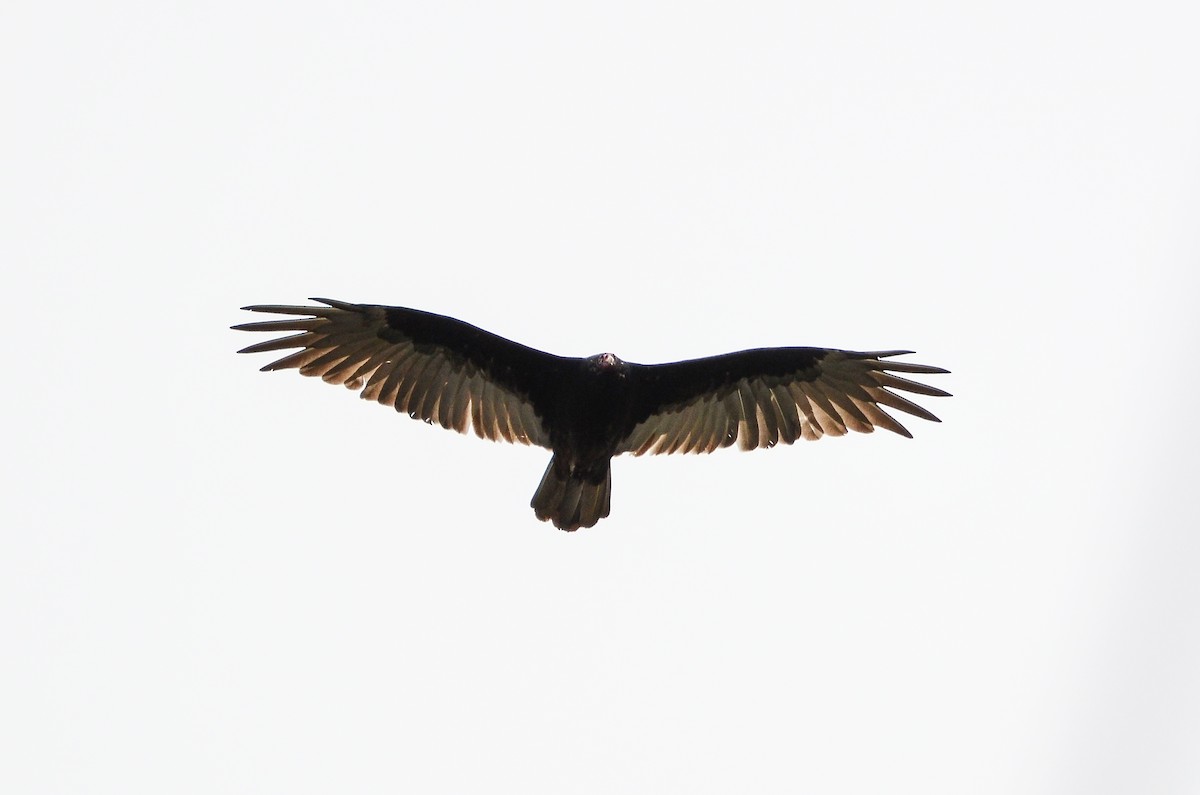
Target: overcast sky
218	580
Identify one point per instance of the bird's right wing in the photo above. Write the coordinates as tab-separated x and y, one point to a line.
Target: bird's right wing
768	396
432	367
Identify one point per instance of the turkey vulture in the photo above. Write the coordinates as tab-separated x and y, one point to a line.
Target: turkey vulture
586	411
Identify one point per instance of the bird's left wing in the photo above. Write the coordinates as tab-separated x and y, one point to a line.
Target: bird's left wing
432	367
768	396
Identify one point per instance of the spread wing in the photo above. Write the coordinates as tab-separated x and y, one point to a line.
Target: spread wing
432	367
768	396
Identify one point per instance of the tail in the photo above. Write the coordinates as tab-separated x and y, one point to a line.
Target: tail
571	499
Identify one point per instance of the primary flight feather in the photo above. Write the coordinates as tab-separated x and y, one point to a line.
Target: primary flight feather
586	411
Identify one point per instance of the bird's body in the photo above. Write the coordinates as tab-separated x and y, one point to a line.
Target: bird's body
588	415
586	411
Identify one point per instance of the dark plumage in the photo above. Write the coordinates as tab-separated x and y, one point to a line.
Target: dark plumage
448	372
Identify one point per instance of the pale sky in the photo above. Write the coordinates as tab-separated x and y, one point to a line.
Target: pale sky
217	580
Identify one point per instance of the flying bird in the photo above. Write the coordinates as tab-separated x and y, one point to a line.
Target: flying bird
585	411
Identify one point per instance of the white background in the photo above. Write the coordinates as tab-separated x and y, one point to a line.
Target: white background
215	580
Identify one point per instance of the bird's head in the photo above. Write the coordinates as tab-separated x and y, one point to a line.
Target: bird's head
607	363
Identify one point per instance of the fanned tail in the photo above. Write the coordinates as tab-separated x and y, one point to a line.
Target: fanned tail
571	500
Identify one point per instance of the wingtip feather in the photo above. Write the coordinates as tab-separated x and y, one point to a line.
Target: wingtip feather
336	304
